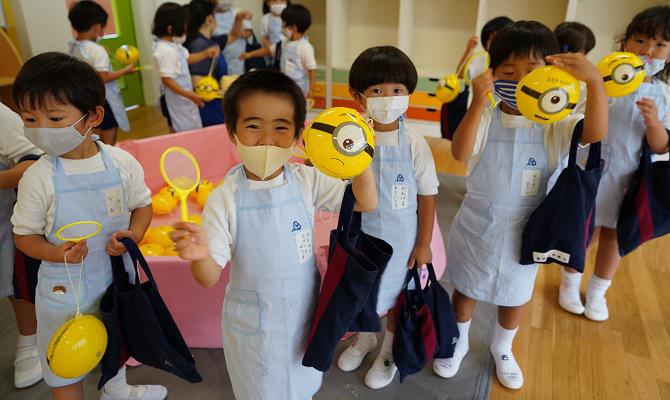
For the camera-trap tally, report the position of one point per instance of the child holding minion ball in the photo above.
(261, 219)
(509, 161)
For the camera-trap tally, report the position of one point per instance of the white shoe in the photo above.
(140, 392)
(382, 372)
(448, 367)
(352, 357)
(508, 371)
(596, 308)
(27, 367)
(570, 301)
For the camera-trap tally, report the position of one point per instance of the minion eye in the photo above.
(349, 139)
(623, 73)
(553, 101)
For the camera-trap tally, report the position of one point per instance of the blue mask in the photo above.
(654, 66)
(506, 91)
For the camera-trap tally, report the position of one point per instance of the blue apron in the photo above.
(274, 33)
(273, 289)
(395, 220)
(232, 54)
(289, 63)
(97, 196)
(623, 145)
(224, 22)
(7, 200)
(506, 185)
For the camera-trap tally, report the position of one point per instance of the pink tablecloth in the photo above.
(197, 310)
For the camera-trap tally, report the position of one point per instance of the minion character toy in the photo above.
(547, 95)
(207, 88)
(339, 143)
(127, 54)
(622, 72)
(448, 88)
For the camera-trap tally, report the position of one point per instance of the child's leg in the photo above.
(607, 264)
(74, 391)
(109, 136)
(27, 367)
(507, 369)
(118, 388)
(383, 369)
(568, 292)
(463, 308)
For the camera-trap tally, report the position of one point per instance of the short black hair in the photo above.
(574, 37)
(61, 78)
(170, 14)
(198, 11)
(649, 23)
(492, 27)
(266, 7)
(382, 64)
(85, 13)
(522, 39)
(266, 81)
(298, 15)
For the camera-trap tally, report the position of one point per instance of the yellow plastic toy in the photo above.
(152, 249)
(77, 346)
(163, 203)
(203, 186)
(448, 88)
(477, 64)
(225, 83)
(622, 72)
(339, 143)
(202, 197)
(207, 88)
(547, 95)
(170, 192)
(145, 239)
(181, 171)
(195, 219)
(220, 183)
(127, 54)
(160, 236)
(170, 251)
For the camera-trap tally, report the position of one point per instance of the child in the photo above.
(381, 80)
(178, 101)
(271, 23)
(225, 16)
(644, 114)
(294, 52)
(504, 187)
(88, 19)
(16, 155)
(232, 52)
(574, 37)
(61, 101)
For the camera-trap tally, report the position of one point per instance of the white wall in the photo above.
(42, 25)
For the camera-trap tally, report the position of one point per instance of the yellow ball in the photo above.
(170, 251)
(77, 347)
(339, 143)
(547, 95)
(448, 88)
(145, 239)
(168, 190)
(127, 54)
(195, 219)
(220, 183)
(161, 236)
(163, 204)
(226, 81)
(152, 249)
(204, 185)
(207, 88)
(622, 72)
(202, 197)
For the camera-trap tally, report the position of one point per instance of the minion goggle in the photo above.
(348, 138)
(551, 101)
(623, 73)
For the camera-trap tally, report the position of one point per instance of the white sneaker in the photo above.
(353, 356)
(382, 372)
(596, 308)
(508, 371)
(448, 367)
(27, 367)
(570, 300)
(139, 392)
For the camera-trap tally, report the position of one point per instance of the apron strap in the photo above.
(594, 149)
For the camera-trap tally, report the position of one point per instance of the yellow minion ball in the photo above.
(204, 185)
(162, 203)
(547, 95)
(339, 143)
(168, 190)
(207, 88)
(448, 88)
(202, 197)
(161, 236)
(77, 346)
(152, 250)
(622, 72)
(127, 54)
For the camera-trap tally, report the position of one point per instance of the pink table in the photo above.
(197, 310)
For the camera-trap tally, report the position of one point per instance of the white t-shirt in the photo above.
(422, 158)
(665, 88)
(13, 143)
(219, 218)
(167, 59)
(36, 202)
(297, 59)
(94, 54)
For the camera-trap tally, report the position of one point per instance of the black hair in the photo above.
(298, 15)
(266, 81)
(574, 37)
(522, 39)
(61, 78)
(85, 13)
(649, 23)
(198, 11)
(492, 27)
(266, 7)
(382, 64)
(170, 15)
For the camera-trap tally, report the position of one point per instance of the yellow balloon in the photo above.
(152, 249)
(77, 346)
(127, 54)
(163, 204)
(448, 88)
(622, 72)
(547, 95)
(339, 143)
(161, 236)
(207, 88)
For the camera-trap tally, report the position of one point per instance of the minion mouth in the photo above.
(337, 159)
(542, 118)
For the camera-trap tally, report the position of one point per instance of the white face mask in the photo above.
(653, 66)
(56, 141)
(179, 39)
(287, 32)
(387, 109)
(263, 160)
(276, 9)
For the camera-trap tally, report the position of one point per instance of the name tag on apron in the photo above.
(400, 197)
(303, 242)
(114, 200)
(530, 182)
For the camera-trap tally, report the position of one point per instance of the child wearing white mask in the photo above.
(237, 47)
(261, 219)
(381, 80)
(271, 27)
(225, 16)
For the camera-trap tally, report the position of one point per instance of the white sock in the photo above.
(27, 341)
(507, 369)
(571, 280)
(118, 386)
(386, 350)
(569, 297)
(503, 339)
(463, 343)
(597, 287)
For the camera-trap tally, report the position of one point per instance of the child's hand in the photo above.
(577, 65)
(196, 99)
(75, 252)
(649, 112)
(243, 14)
(116, 248)
(482, 85)
(190, 241)
(213, 51)
(421, 255)
(472, 43)
(129, 69)
(243, 56)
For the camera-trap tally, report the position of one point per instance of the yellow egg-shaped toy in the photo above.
(622, 72)
(161, 236)
(170, 251)
(152, 250)
(220, 183)
(202, 197)
(195, 219)
(145, 239)
(77, 346)
(168, 190)
(226, 81)
(127, 54)
(204, 185)
(448, 88)
(162, 204)
(207, 88)
(339, 143)
(547, 95)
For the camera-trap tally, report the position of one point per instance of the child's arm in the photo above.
(422, 254)
(365, 191)
(312, 82)
(466, 133)
(657, 135)
(209, 52)
(192, 245)
(36, 246)
(114, 75)
(174, 86)
(237, 29)
(597, 107)
(262, 52)
(140, 219)
(9, 179)
(469, 47)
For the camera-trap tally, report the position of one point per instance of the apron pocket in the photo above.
(242, 311)
(58, 294)
(475, 218)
